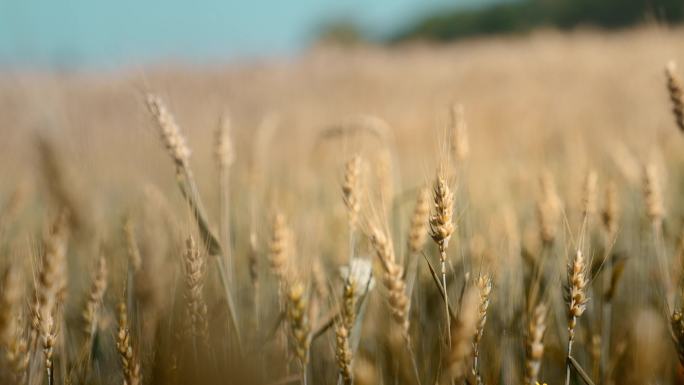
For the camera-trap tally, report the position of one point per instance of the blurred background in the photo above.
(77, 34)
(541, 81)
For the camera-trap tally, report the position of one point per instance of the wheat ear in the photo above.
(280, 246)
(460, 146)
(549, 209)
(393, 280)
(484, 287)
(10, 296)
(535, 344)
(676, 92)
(297, 315)
(343, 353)
(98, 287)
(351, 195)
(653, 197)
(441, 229)
(576, 299)
(180, 153)
(11, 339)
(49, 291)
(196, 307)
(589, 194)
(129, 360)
(419, 222)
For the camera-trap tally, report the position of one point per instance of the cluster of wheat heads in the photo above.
(404, 291)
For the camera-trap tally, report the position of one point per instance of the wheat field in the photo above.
(494, 211)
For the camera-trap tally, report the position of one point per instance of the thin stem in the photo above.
(304, 374)
(567, 364)
(606, 324)
(442, 257)
(224, 184)
(413, 358)
(190, 191)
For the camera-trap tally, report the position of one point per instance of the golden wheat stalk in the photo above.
(10, 295)
(418, 229)
(343, 351)
(576, 298)
(98, 287)
(351, 192)
(589, 194)
(484, 287)
(196, 307)
(130, 365)
(549, 209)
(417, 236)
(349, 302)
(441, 229)
(175, 144)
(50, 288)
(393, 280)
(655, 210)
(132, 250)
(15, 358)
(535, 344)
(169, 131)
(297, 316)
(280, 248)
(343, 354)
(460, 146)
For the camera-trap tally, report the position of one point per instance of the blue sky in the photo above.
(111, 33)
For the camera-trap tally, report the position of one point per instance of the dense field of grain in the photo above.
(297, 220)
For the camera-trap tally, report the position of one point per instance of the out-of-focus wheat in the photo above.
(129, 360)
(91, 312)
(674, 87)
(535, 344)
